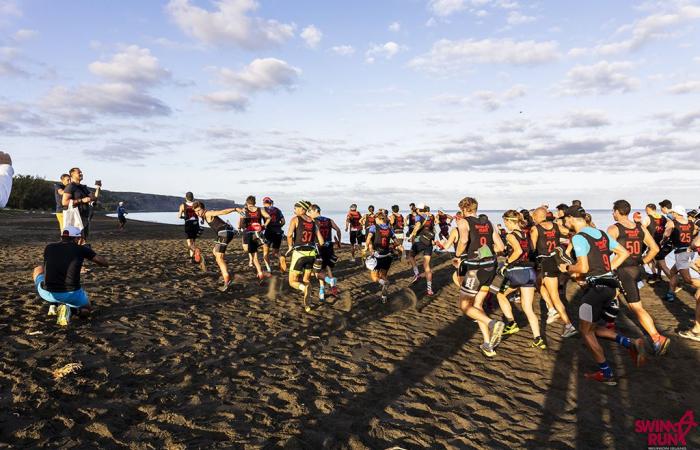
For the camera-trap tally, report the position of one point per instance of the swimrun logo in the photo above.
(664, 434)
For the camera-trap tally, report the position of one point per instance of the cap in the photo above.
(421, 206)
(304, 204)
(121, 203)
(575, 211)
(693, 213)
(267, 200)
(679, 209)
(71, 231)
(353, 205)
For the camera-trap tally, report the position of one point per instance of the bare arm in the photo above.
(669, 229)
(100, 261)
(452, 238)
(266, 216)
(336, 228)
(222, 212)
(613, 232)
(581, 266)
(290, 234)
(621, 254)
(498, 244)
(534, 235)
(181, 211)
(321, 241)
(369, 241)
(462, 230)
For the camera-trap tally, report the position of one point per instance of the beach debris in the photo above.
(66, 370)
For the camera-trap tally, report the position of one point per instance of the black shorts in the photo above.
(86, 226)
(224, 237)
(274, 237)
(548, 267)
(517, 277)
(629, 277)
(384, 262)
(192, 229)
(356, 237)
(254, 240)
(419, 247)
(594, 301)
(477, 275)
(328, 258)
(122, 220)
(664, 250)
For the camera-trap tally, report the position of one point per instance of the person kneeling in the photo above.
(58, 280)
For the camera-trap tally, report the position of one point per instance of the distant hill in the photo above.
(34, 193)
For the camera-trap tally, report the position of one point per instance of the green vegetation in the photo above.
(30, 192)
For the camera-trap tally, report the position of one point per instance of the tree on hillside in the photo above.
(29, 192)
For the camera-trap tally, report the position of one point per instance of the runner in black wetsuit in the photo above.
(381, 242)
(477, 246)
(274, 233)
(633, 237)
(593, 249)
(326, 226)
(224, 232)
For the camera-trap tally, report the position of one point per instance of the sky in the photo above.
(515, 103)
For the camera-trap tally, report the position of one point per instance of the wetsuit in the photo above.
(325, 227)
(273, 231)
(224, 233)
(382, 236)
(630, 272)
(478, 262)
(355, 227)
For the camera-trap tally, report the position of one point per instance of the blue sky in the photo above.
(513, 102)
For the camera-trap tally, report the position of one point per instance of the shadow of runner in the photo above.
(360, 415)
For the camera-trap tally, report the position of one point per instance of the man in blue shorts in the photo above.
(58, 280)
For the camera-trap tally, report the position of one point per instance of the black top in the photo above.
(58, 197)
(480, 235)
(62, 263)
(547, 239)
(78, 191)
(633, 240)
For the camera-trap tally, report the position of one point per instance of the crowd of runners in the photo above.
(536, 251)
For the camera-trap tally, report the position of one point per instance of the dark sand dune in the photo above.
(170, 362)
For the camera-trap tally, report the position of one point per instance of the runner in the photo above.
(58, 195)
(302, 238)
(633, 236)
(694, 332)
(593, 249)
(444, 220)
(224, 232)
(58, 280)
(544, 236)
(274, 233)
(397, 224)
(411, 218)
(680, 231)
(121, 215)
(367, 221)
(353, 225)
(424, 230)
(519, 273)
(477, 246)
(326, 227)
(192, 229)
(255, 219)
(381, 241)
(655, 224)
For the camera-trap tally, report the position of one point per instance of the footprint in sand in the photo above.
(272, 288)
(403, 299)
(345, 302)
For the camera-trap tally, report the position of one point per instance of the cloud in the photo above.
(229, 24)
(9, 8)
(446, 55)
(598, 79)
(10, 69)
(686, 120)
(25, 35)
(517, 18)
(654, 26)
(491, 101)
(395, 27)
(267, 74)
(343, 50)
(444, 8)
(134, 65)
(584, 119)
(128, 149)
(387, 51)
(685, 87)
(312, 36)
(118, 99)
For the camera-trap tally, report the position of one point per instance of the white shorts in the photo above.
(683, 260)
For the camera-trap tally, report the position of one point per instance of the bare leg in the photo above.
(551, 285)
(527, 297)
(588, 333)
(645, 319)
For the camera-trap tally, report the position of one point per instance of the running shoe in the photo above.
(538, 343)
(601, 378)
(261, 279)
(383, 299)
(415, 278)
(63, 313)
(638, 352)
(610, 325)
(552, 316)
(225, 287)
(334, 291)
(661, 345)
(670, 297)
(678, 289)
(569, 331)
(689, 334)
(496, 327)
(511, 329)
(487, 350)
(429, 292)
(515, 299)
(52, 310)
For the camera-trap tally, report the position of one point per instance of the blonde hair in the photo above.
(468, 204)
(514, 215)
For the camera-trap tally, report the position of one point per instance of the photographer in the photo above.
(82, 198)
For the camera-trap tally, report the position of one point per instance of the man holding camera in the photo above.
(82, 198)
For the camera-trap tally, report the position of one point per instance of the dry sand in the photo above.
(170, 362)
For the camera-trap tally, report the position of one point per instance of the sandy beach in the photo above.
(170, 362)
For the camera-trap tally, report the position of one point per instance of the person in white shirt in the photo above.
(6, 173)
